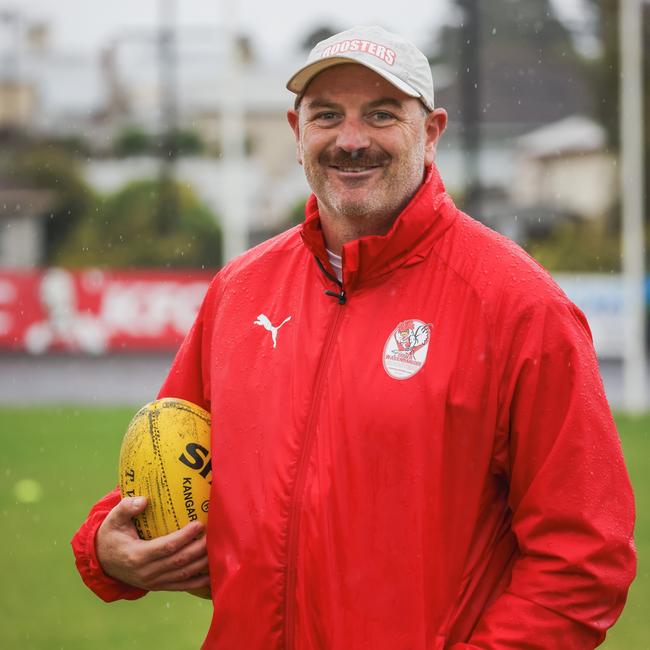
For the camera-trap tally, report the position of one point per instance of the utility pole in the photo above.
(470, 102)
(233, 138)
(168, 145)
(632, 195)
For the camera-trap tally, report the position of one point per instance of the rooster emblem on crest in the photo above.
(410, 337)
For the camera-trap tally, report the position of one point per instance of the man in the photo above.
(422, 457)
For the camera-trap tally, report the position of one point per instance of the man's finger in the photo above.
(195, 550)
(125, 510)
(185, 585)
(167, 545)
(187, 571)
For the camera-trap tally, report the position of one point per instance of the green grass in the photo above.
(632, 631)
(72, 454)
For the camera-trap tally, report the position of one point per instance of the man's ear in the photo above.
(434, 126)
(294, 123)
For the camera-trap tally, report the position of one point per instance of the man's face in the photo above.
(363, 143)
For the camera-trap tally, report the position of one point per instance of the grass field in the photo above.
(69, 456)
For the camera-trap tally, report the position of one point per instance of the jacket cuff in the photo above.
(92, 574)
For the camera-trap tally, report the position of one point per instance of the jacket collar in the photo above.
(429, 213)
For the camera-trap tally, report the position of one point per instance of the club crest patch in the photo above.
(406, 349)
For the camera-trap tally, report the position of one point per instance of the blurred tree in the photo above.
(604, 68)
(578, 246)
(245, 48)
(75, 144)
(54, 168)
(134, 141)
(530, 72)
(188, 142)
(529, 25)
(296, 214)
(317, 35)
(604, 74)
(126, 231)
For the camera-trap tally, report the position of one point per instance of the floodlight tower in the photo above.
(233, 139)
(470, 98)
(168, 91)
(635, 381)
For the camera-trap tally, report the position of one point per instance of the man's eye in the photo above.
(326, 116)
(382, 116)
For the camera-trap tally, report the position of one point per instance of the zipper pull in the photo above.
(341, 297)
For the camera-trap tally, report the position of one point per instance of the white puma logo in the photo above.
(266, 324)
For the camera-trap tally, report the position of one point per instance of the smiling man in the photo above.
(364, 145)
(411, 445)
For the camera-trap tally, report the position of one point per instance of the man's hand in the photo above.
(174, 562)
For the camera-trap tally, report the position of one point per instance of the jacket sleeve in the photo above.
(83, 547)
(186, 380)
(569, 493)
(189, 376)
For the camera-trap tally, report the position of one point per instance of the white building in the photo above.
(240, 109)
(567, 167)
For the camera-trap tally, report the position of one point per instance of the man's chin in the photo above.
(356, 195)
(355, 209)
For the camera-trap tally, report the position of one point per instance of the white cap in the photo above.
(390, 56)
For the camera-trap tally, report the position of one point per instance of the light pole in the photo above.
(632, 195)
(233, 138)
(168, 148)
(470, 97)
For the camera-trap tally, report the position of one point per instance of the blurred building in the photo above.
(44, 90)
(197, 84)
(22, 213)
(566, 167)
(52, 93)
(558, 171)
(205, 85)
(17, 104)
(538, 163)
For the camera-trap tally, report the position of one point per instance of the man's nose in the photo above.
(352, 135)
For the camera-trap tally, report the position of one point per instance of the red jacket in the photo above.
(424, 461)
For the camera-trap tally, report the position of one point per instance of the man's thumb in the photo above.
(137, 504)
(129, 507)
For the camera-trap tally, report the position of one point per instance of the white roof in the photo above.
(576, 133)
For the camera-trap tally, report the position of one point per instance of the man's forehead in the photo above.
(389, 55)
(324, 101)
(352, 80)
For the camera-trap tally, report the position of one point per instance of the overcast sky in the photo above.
(276, 27)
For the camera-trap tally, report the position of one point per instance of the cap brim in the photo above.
(301, 79)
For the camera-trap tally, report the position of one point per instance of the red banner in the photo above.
(95, 311)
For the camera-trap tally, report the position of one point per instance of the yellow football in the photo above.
(165, 456)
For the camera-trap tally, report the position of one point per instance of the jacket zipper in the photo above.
(298, 492)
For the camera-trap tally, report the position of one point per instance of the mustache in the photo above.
(356, 158)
